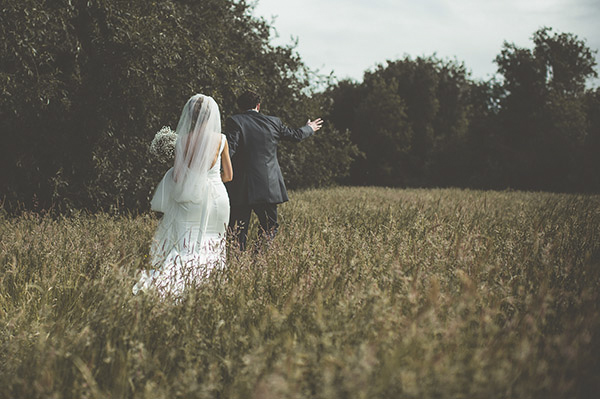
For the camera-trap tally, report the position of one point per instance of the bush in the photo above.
(86, 85)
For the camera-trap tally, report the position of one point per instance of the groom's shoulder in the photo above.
(273, 119)
(242, 115)
(252, 115)
(236, 118)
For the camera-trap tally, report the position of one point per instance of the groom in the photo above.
(258, 183)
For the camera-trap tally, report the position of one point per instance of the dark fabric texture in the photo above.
(240, 218)
(253, 138)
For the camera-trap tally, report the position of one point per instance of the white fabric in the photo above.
(190, 238)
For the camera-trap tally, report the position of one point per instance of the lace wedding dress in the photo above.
(190, 239)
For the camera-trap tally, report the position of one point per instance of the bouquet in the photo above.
(163, 144)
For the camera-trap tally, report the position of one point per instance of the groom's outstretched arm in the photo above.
(299, 134)
(232, 132)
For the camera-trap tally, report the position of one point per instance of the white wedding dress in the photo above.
(190, 239)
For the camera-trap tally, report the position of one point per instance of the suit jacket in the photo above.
(253, 139)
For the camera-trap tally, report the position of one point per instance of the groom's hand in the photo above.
(316, 124)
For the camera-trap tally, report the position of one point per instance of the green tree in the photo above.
(409, 118)
(590, 176)
(449, 162)
(482, 149)
(87, 83)
(384, 133)
(542, 110)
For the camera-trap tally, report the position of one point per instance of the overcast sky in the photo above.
(350, 36)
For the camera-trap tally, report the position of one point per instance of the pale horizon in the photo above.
(352, 36)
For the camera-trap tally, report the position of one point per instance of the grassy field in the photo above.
(366, 293)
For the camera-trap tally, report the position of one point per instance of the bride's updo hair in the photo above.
(198, 137)
(196, 106)
(248, 100)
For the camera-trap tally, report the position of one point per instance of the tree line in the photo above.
(87, 83)
(425, 122)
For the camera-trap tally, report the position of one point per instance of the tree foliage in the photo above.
(543, 115)
(87, 83)
(402, 116)
(425, 122)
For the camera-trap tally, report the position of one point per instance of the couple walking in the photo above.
(190, 239)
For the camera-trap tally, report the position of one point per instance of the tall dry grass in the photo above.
(366, 293)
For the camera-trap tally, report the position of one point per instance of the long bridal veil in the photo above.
(198, 138)
(184, 193)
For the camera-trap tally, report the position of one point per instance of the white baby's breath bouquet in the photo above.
(163, 144)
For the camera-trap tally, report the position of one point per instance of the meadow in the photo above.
(365, 293)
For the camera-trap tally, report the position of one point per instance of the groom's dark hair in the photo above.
(248, 100)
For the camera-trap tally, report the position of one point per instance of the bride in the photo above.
(190, 239)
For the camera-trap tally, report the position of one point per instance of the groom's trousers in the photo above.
(240, 217)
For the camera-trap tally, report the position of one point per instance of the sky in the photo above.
(347, 37)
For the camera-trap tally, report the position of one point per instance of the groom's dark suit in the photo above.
(257, 180)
